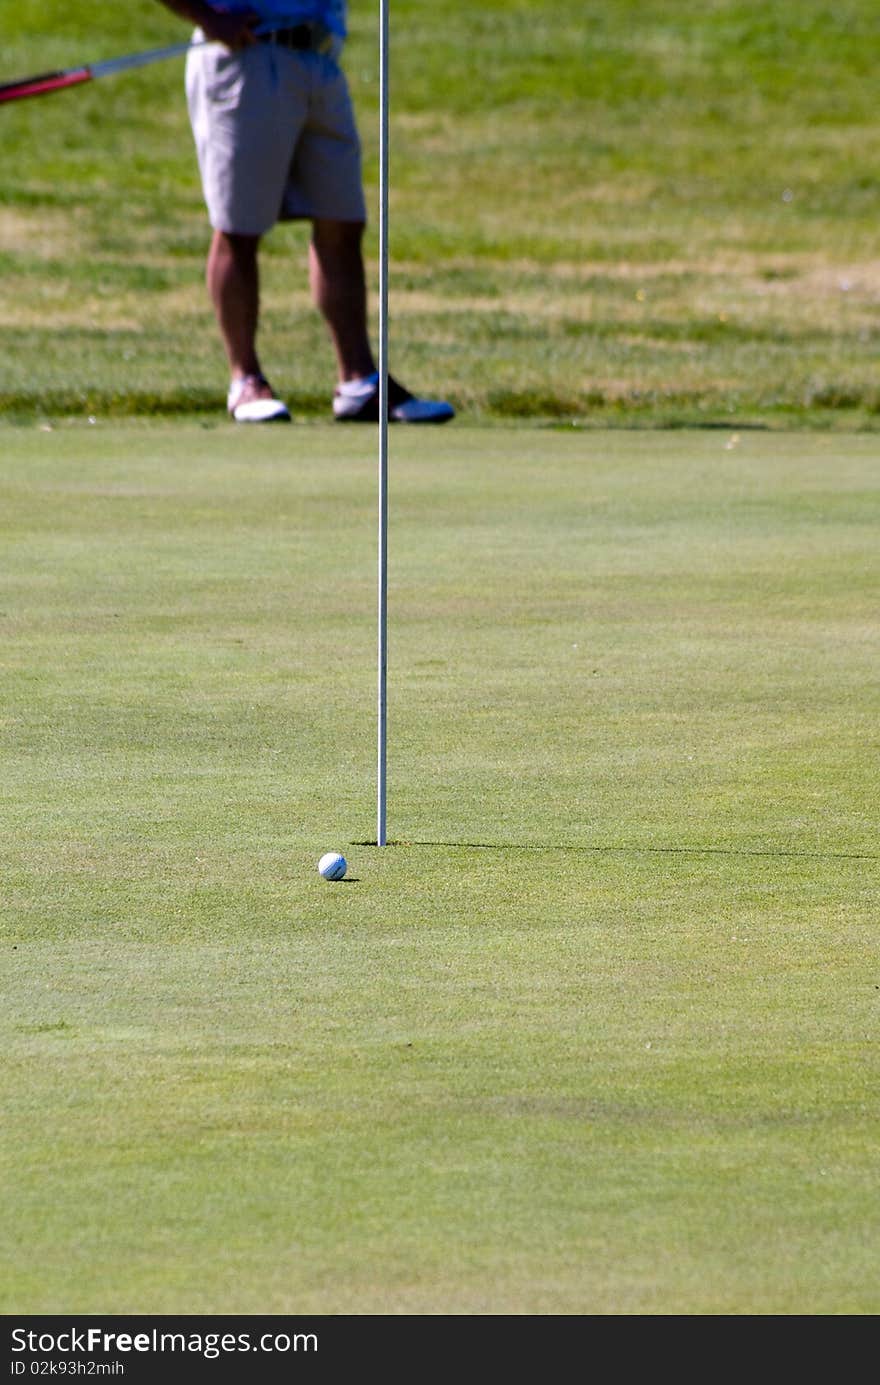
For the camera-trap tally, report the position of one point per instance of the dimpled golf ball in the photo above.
(332, 865)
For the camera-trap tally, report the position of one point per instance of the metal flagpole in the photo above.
(384, 104)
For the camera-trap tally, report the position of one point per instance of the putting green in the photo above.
(596, 1033)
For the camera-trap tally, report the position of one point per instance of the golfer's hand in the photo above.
(232, 30)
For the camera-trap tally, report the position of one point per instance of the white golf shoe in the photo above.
(251, 399)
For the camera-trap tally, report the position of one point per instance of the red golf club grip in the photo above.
(47, 81)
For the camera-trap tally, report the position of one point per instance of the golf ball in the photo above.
(332, 865)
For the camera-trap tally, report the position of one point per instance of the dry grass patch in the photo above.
(47, 234)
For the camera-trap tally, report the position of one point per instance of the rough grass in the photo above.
(639, 214)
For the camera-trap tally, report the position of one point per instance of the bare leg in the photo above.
(234, 286)
(338, 282)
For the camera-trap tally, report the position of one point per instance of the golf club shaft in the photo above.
(384, 104)
(44, 82)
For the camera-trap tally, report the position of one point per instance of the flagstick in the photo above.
(384, 35)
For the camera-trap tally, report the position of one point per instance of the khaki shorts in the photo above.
(275, 136)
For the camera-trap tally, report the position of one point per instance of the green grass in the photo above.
(597, 1033)
(634, 213)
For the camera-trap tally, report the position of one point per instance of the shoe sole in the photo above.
(261, 411)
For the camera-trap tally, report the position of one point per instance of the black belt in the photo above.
(300, 36)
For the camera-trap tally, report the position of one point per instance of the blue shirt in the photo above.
(330, 13)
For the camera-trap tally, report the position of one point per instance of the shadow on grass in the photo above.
(642, 850)
(639, 411)
(25, 406)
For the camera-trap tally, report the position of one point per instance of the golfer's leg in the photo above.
(338, 282)
(234, 285)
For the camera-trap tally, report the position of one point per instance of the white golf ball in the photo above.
(332, 865)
